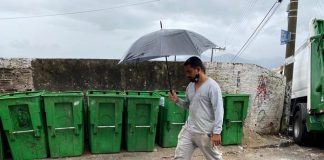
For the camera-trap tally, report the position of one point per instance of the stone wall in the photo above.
(266, 88)
(15, 75)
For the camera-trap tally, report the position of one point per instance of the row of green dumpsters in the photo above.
(46, 124)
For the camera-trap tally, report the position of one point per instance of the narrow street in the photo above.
(271, 148)
(293, 152)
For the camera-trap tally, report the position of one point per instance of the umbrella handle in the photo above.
(171, 92)
(169, 78)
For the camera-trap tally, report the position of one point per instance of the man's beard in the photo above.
(195, 79)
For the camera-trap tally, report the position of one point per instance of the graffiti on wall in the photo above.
(261, 104)
(238, 79)
(261, 98)
(262, 91)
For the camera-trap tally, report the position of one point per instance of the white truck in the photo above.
(307, 98)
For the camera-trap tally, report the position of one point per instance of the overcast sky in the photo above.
(108, 34)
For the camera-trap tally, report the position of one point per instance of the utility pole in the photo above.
(289, 66)
(212, 53)
(290, 47)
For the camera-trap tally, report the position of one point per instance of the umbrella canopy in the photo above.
(167, 42)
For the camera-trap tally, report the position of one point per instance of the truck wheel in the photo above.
(299, 128)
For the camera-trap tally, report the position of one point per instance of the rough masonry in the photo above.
(15, 75)
(266, 88)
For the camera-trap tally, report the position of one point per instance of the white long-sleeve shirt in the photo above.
(205, 107)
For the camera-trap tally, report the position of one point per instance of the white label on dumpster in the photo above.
(162, 101)
(76, 103)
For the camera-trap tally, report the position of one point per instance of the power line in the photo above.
(245, 10)
(79, 12)
(319, 7)
(245, 15)
(250, 5)
(258, 29)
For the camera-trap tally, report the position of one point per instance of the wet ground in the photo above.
(273, 148)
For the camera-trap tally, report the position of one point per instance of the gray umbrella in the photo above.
(167, 42)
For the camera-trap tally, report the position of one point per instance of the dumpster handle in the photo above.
(95, 128)
(150, 126)
(106, 126)
(142, 126)
(25, 131)
(173, 123)
(55, 129)
(235, 121)
(64, 128)
(228, 122)
(177, 123)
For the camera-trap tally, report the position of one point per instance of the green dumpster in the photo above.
(21, 116)
(142, 109)
(105, 120)
(235, 110)
(171, 120)
(64, 118)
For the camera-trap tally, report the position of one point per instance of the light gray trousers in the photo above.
(188, 142)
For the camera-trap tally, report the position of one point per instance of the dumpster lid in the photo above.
(165, 93)
(65, 93)
(105, 93)
(21, 94)
(142, 94)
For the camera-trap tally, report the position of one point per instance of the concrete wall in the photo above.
(266, 88)
(83, 74)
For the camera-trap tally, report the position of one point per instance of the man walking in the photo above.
(204, 125)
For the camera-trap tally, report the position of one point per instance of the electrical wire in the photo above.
(79, 12)
(250, 5)
(258, 29)
(244, 14)
(319, 7)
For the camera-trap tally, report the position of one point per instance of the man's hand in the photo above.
(173, 96)
(216, 139)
